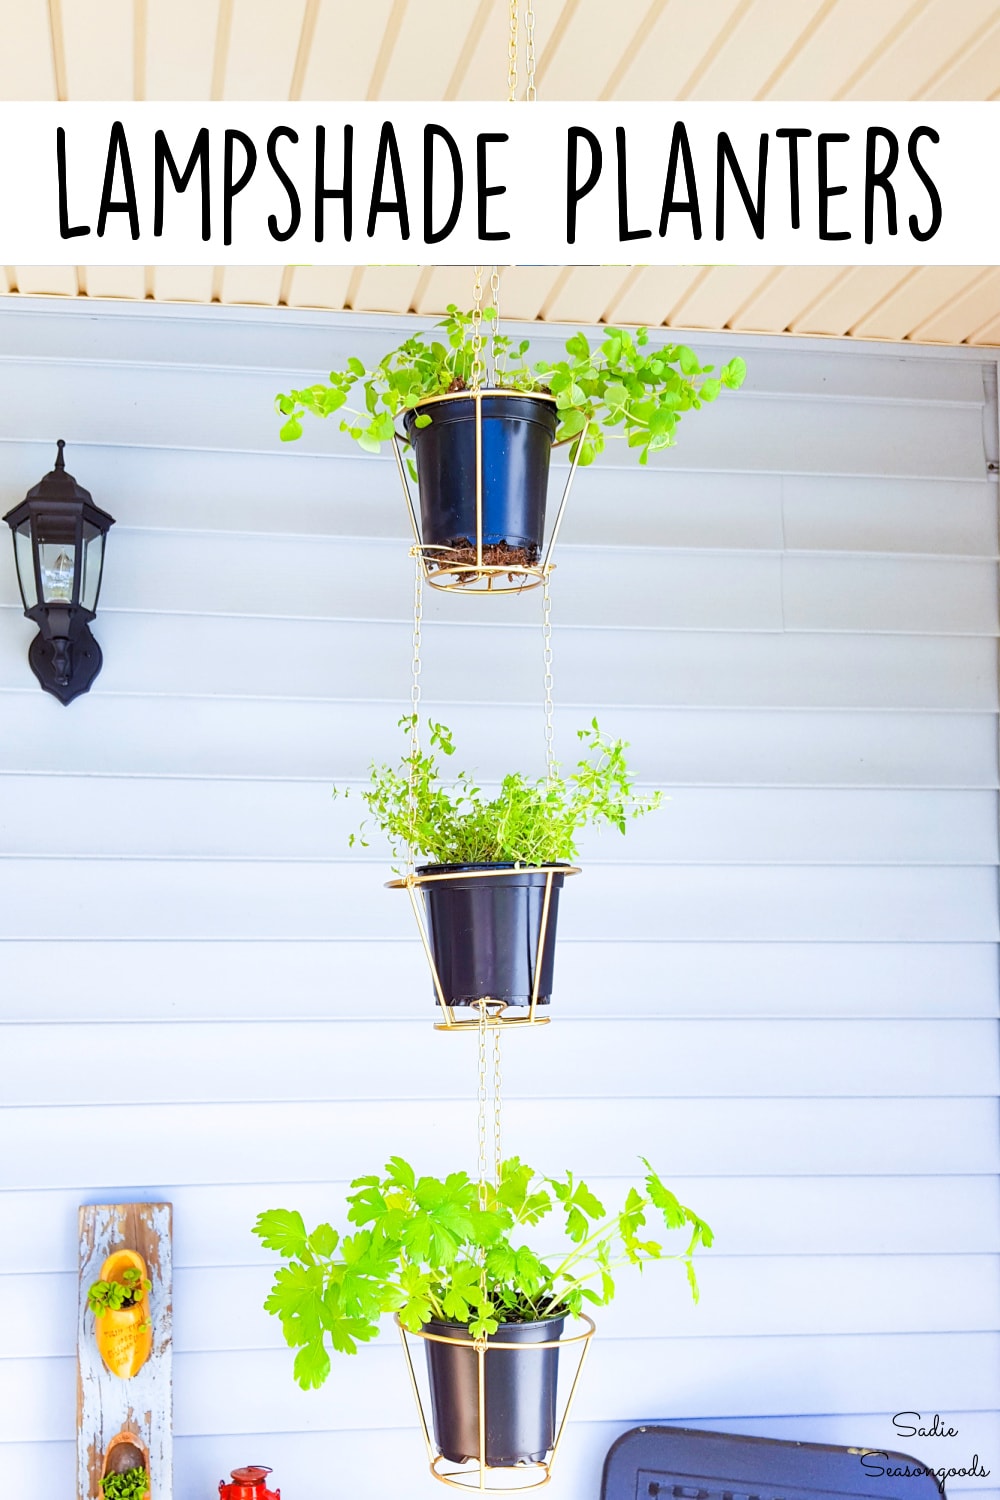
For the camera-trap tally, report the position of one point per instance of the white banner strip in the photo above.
(456, 184)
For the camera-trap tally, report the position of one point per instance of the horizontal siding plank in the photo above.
(250, 1392)
(751, 1216)
(50, 1147)
(821, 512)
(234, 409)
(297, 1457)
(877, 594)
(187, 1063)
(139, 735)
(162, 818)
(220, 573)
(221, 1310)
(279, 658)
(145, 898)
(282, 980)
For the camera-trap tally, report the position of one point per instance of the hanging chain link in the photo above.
(476, 372)
(529, 33)
(550, 736)
(512, 55)
(418, 616)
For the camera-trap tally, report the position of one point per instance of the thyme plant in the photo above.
(533, 822)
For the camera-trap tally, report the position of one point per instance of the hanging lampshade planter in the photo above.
(482, 463)
(489, 934)
(494, 1401)
(59, 538)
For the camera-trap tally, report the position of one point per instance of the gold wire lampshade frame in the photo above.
(497, 1011)
(477, 1477)
(440, 568)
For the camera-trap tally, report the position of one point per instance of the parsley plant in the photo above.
(427, 1247)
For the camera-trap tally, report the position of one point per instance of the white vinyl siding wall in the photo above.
(782, 988)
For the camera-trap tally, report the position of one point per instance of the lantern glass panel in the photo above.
(56, 537)
(93, 557)
(25, 564)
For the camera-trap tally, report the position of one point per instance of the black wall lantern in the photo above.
(59, 549)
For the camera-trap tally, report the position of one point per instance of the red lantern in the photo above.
(248, 1484)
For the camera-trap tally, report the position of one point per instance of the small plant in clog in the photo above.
(120, 1303)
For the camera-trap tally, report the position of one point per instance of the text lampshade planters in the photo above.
(120, 1304)
(448, 1258)
(482, 454)
(495, 861)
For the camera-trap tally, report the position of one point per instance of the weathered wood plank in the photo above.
(106, 1404)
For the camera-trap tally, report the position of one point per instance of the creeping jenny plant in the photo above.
(103, 1296)
(443, 1248)
(625, 386)
(453, 821)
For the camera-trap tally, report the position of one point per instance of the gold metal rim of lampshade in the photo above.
(480, 394)
(474, 1480)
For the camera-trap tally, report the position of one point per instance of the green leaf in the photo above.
(290, 430)
(355, 366)
(688, 360)
(710, 389)
(573, 421)
(282, 1229)
(312, 1366)
(323, 1240)
(734, 373)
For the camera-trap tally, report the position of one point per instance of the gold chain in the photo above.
(418, 615)
(497, 1108)
(529, 32)
(512, 55)
(550, 747)
(482, 1101)
(495, 299)
(476, 373)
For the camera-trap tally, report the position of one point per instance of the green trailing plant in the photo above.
(441, 1248)
(624, 385)
(453, 821)
(133, 1485)
(112, 1295)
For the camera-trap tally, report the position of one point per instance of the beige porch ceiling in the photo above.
(587, 49)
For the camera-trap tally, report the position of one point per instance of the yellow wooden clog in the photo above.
(125, 1334)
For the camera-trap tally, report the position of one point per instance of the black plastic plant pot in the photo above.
(519, 1390)
(518, 431)
(485, 932)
